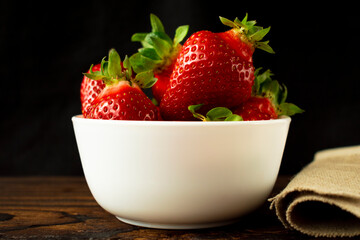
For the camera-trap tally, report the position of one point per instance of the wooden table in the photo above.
(63, 208)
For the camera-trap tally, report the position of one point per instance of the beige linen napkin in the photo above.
(323, 199)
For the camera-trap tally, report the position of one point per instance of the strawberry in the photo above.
(158, 53)
(89, 90)
(122, 98)
(267, 101)
(214, 69)
(257, 108)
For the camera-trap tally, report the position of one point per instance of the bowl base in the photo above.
(175, 226)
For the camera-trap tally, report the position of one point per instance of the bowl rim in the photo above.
(80, 118)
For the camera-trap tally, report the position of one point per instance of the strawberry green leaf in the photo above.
(104, 67)
(247, 25)
(264, 46)
(94, 76)
(141, 63)
(218, 113)
(229, 23)
(126, 63)
(244, 21)
(145, 79)
(284, 93)
(257, 71)
(271, 90)
(159, 35)
(138, 37)
(234, 117)
(127, 66)
(260, 79)
(161, 47)
(194, 108)
(149, 53)
(215, 114)
(156, 24)
(98, 75)
(144, 37)
(238, 22)
(289, 109)
(180, 34)
(114, 64)
(260, 34)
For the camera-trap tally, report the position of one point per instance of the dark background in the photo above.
(45, 47)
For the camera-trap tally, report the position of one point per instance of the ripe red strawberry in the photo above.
(268, 100)
(122, 97)
(158, 53)
(256, 108)
(89, 90)
(214, 69)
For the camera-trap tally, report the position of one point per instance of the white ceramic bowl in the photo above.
(180, 175)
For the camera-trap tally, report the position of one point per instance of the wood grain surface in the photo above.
(63, 208)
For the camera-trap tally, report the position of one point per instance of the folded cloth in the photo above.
(323, 199)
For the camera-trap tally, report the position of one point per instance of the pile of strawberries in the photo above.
(210, 77)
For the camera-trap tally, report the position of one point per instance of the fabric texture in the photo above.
(323, 199)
